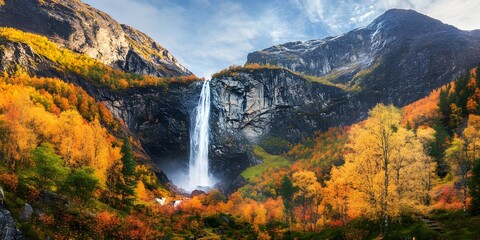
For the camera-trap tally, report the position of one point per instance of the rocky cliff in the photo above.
(8, 227)
(400, 57)
(276, 103)
(81, 28)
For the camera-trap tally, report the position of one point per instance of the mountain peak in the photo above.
(399, 56)
(408, 19)
(82, 28)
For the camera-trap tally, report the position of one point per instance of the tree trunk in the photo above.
(464, 197)
(385, 201)
(385, 168)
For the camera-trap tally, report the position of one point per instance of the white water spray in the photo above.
(198, 164)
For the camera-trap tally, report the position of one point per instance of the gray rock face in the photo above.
(275, 102)
(2, 195)
(148, 57)
(26, 212)
(19, 54)
(159, 116)
(81, 28)
(8, 227)
(399, 58)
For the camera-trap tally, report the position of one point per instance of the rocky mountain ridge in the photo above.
(401, 56)
(81, 28)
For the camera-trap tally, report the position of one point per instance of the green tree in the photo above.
(81, 184)
(474, 186)
(126, 185)
(287, 192)
(456, 154)
(438, 148)
(49, 167)
(443, 103)
(456, 116)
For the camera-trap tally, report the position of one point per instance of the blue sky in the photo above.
(209, 35)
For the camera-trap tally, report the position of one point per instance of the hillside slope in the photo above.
(81, 28)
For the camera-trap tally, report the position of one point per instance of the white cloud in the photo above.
(365, 16)
(462, 14)
(336, 16)
(341, 16)
(206, 41)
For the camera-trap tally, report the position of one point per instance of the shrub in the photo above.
(275, 145)
(9, 181)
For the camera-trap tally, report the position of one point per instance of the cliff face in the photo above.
(14, 54)
(400, 57)
(276, 102)
(81, 28)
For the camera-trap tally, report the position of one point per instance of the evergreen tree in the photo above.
(127, 184)
(474, 187)
(444, 104)
(438, 146)
(81, 184)
(287, 192)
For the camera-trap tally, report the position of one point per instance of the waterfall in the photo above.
(198, 164)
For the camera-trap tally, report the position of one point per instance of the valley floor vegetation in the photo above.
(400, 174)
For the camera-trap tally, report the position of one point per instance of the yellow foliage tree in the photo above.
(381, 166)
(308, 195)
(463, 151)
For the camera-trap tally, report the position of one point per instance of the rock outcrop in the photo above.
(26, 212)
(270, 102)
(8, 227)
(398, 58)
(81, 28)
(13, 55)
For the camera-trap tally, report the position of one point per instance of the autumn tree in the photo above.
(462, 153)
(374, 146)
(18, 139)
(337, 195)
(456, 154)
(307, 194)
(456, 115)
(471, 135)
(380, 165)
(426, 164)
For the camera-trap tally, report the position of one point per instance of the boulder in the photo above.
(26, 212)
(8, 228)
